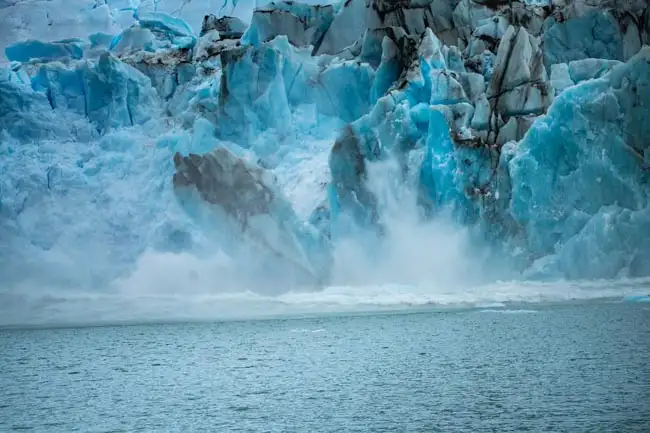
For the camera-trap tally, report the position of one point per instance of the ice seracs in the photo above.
(45, 51)
(302, 24)
(580, 172)
(519, 84)
(522, 120)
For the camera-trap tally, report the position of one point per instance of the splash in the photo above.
(411, 250)
(148, 304)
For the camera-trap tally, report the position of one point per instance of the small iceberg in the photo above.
(637, 298)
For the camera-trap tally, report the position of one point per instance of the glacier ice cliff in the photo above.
(265, 136)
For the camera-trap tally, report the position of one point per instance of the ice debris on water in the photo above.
(168, 129)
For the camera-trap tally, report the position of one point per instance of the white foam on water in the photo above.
(509, 311)
(148, 305)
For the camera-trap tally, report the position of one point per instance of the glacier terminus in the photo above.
(312, 145)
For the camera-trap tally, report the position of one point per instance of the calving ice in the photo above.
(289, 138)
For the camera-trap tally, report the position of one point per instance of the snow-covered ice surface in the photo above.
(355, 154)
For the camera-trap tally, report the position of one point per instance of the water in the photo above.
(569, 367)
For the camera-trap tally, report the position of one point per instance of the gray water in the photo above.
(554, 368)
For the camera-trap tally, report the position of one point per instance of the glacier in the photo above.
(313, 145)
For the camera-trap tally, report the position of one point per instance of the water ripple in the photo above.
(568, 368)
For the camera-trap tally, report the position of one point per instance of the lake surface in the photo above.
(568, 367)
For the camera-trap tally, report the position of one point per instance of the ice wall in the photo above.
(580, 177)
(52, 20)
(154, 134)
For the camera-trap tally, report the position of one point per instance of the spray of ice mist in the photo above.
(434, 254)
(425, 255)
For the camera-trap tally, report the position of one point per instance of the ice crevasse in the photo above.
(257, 137)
